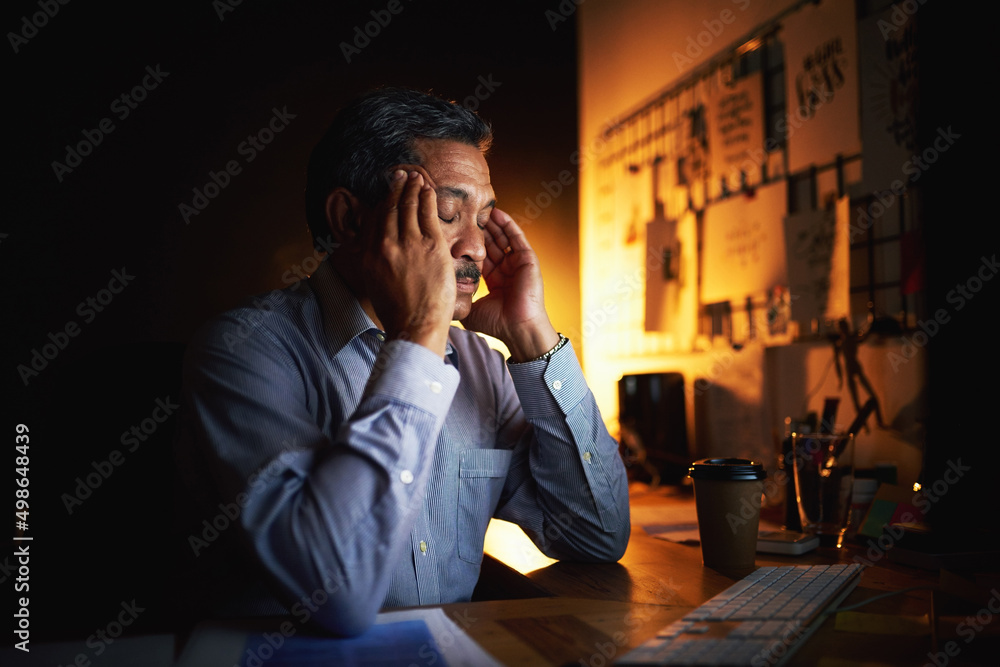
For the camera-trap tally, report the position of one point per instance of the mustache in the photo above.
(468, 270)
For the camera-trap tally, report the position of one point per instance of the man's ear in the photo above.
(343, 212)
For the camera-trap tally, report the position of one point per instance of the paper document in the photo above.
(423, 636)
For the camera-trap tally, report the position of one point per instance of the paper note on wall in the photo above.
(736, 132)
(818, 246)
(744, 252)
(821, 84)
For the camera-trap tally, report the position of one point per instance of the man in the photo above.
(365, 440)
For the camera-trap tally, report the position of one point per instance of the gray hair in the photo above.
(375, 132)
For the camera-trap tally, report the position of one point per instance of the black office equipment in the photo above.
(653, 423)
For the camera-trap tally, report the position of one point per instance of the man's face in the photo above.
(461, 179)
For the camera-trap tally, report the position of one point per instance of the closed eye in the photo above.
(481, 225)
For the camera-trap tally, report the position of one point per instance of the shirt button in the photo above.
(586, 457)
(557, 385)
(435, 387)
(406, 477)
(423, 547)
(380, 336)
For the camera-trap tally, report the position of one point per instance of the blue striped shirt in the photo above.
(362, 474)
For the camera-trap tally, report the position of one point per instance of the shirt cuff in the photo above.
(409, 372)
(552, 386)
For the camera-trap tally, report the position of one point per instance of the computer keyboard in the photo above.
(758, 621)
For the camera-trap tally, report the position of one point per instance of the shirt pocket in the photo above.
(481, 476)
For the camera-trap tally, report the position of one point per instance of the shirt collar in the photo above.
(343, 317)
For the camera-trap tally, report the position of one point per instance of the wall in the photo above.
(739, 237)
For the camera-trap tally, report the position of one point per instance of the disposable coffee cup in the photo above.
(727, 499)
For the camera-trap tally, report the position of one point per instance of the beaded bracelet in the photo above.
(562, 341)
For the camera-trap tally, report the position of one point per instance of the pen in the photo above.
(829, 415)
(859, 421)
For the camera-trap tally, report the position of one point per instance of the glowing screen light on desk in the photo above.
(507, 543)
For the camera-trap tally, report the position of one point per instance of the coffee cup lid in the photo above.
(727, 469)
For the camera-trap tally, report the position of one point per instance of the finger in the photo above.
(420, 224)
(388, 220)
(509, 233)
(409, 205)
(430, 226)
(494, 251)
(496, 231)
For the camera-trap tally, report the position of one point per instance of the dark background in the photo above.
(120, 207)
(118, 210)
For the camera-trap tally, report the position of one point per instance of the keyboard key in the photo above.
(673, 630)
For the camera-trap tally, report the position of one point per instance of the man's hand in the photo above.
(514, 309)
(407, 264)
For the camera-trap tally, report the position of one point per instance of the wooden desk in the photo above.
(532, 611)
(596, 612)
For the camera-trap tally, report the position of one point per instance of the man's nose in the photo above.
(469, 243)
